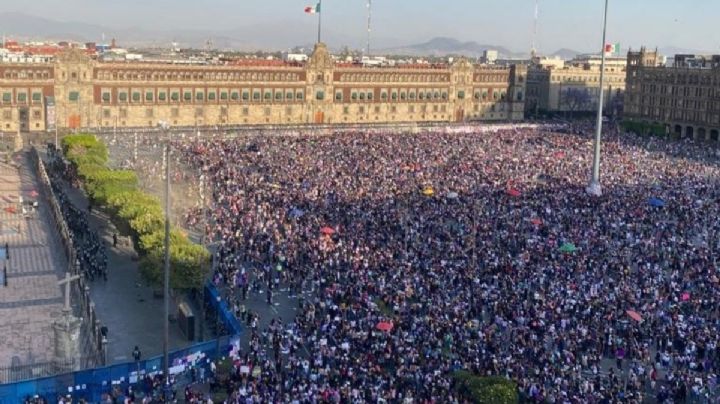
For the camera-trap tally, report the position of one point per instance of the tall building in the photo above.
(555, 85)
(684, 97)
(77, 92)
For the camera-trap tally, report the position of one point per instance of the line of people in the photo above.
(91, 254)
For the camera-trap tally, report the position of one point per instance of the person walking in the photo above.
(136, 354)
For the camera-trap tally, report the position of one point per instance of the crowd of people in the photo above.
(90, 253)
(423, 254)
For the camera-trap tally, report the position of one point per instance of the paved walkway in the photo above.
(32, 299)
(124, 303)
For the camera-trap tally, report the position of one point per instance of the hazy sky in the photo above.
(574, 24)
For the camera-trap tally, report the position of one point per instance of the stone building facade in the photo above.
(77, 92)
(556, 86)
(686, 100)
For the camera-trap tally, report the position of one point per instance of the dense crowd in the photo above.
(454, 240)
(433, 252)
(91, 257)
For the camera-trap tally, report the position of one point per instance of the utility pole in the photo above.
(369, 15)
(319, 13)
(594, 188)
(202, 243)
(166, 283)
(533, 51)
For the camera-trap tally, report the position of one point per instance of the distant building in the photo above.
(89, 93)
(557, 86)
(295, 57)
(490, 56)
(683, 97)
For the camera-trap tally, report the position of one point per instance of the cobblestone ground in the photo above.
(32, 299)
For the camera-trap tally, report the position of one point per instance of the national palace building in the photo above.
(684, 98)
(75, 91)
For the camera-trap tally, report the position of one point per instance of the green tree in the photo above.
(486, 390)
(138, 213)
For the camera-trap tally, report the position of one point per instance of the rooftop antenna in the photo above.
(533, 51)
(369, 16)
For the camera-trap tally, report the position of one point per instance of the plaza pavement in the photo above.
(32, 300)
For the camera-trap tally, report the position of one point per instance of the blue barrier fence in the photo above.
(92, 384)
(225, 316)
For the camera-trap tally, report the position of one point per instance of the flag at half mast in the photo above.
(312, 10)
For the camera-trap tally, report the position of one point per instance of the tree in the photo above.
(486, 390)
(137, 212)
(188, 262)
(576, 99)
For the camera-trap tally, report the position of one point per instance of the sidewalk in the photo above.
(32, 300)
(125, 305)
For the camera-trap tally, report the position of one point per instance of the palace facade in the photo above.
(76, 92)
(683, 97)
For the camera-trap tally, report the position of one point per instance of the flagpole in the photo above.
(319, 19)
(594, 188)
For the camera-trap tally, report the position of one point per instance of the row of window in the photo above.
(277, 95)
(678, 103)
(589, 79)
(13, 74)
(680, 115)
(199, 96)
(7, 114)
(394, 78)
(393, 109)
(199, 112)
(21, 97)
(698, 77)
(133, 75)
(394, 95)
(686, 91)
(490, 78)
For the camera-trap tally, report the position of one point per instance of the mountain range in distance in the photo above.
(25, 27)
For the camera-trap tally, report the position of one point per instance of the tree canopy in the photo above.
(136, 211)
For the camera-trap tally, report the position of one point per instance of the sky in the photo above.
(573, 24)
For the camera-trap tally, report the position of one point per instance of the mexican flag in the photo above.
(612, 48)
(312, 10)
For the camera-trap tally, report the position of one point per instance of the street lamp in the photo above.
(594, 187)
(164, 126)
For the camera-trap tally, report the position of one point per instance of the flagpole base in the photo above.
(594, 188)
